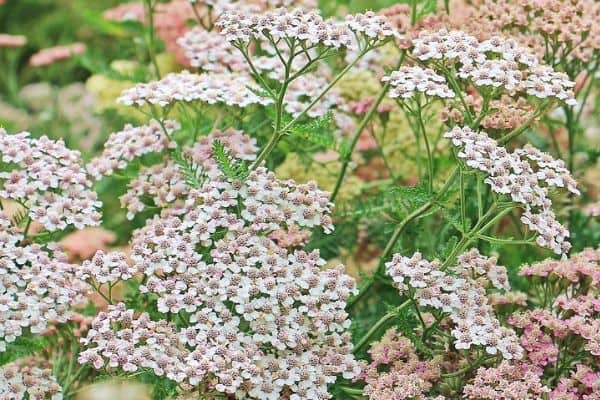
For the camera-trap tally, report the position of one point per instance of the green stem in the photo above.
(382, 321)
(427, 148)
(468, 368)
(358, 131)
(151, 36)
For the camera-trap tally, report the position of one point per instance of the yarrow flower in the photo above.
(7, 40)
(306, 26)
(462, 297)
(130, 143)
(520, 175)
(48, 180)
(506, 382)
(54, 54)
(36, 287)
(20, 382)
(405, 377)
(228, 88)
(408, 80)
(264, 320)
(495, 62)
(106, 268)
(210, 51)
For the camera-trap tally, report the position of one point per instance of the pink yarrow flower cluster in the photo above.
(525, 175)
(506, 382)
(462, 297)
(48, 180)
(54, 54)
(396, 372)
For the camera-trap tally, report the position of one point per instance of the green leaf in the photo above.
(22, 347)
(230, 167)
(193, 174)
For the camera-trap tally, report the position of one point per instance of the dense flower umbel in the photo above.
(49, 181)
(408, 80)
(228, 88)
(264, 321)
(306, 26)
(404, 376)
(495, 63)
(132, 142)
(462, 297)
(525, 175)
(569, 320)
(210, 51)
(506, 382)
(36, 286)
(20, 382)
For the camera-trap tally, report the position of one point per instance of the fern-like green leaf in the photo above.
(230, 167)
(193, 174)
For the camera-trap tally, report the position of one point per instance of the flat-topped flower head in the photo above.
(407, 81)
(302, 25)
(231, 89)
(495, 62)
(130, 143)
(48, 180)
(210, 51)
(372, 25)
(264, 320)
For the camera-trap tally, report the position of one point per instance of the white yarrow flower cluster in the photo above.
(521, 175)
(48, 180)
(372, 25)
(306, 26)
(406, 81)
(210, 51)
(495, 62)
(164, 182)
(231, 89)
(106, 268)
(20, 382)
(131, 142)
(461, 297)
(264, 321)
(36, 287)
